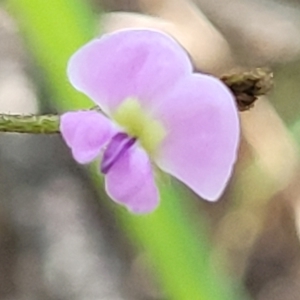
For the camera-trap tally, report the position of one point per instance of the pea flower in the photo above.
(154, 110)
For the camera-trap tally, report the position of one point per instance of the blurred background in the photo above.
(61, 238)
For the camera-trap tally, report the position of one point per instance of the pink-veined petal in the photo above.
(86, 132)
(128, 63)
(202, 125)
(130, 182)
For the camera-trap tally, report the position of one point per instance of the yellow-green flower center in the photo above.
(139, 124)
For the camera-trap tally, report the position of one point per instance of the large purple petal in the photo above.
(202, 125)
(130, 182)
(86, 132)
(128, 63)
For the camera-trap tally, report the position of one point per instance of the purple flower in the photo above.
(156, 111)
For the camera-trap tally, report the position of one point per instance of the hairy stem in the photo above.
(245, 86)
(248, 86)
(45, 124)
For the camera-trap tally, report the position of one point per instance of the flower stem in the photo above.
(246, 87)
(45, 124)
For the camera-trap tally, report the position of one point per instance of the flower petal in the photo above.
(130, 182)
(202, 125)
(128, 63)
(86, 132)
